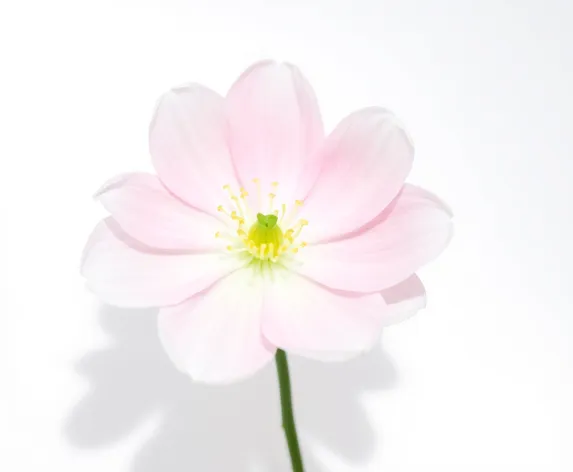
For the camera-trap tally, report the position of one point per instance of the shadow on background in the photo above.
(218, 428)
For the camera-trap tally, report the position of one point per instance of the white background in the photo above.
(481, 380)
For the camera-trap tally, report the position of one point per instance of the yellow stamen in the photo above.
(299, 227)
(286, 220)
(221, 209)
(264, 241)
(227, 187)
(257, 182)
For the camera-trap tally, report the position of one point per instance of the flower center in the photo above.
(266, 235)
(264, 240)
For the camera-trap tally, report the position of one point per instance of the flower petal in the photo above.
(123, 273)
(404, 300)
(365, 161)
(275, 125)
(216, 337)
(411, 232)
(305, 318)
(188, 144)
(145, 210)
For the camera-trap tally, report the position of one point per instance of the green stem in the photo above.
(287, 412)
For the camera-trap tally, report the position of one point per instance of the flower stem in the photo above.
(287, 411)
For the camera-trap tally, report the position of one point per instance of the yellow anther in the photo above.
(303, 244)
(241, 232)
(271, 198)
(298, 202)
(229, 248)
(294, 250)
(236, 217)
(258, 184)
(275, 184)
(301, 224)
(218, 234)
(244, 193)
(220, 208)
(232, 196)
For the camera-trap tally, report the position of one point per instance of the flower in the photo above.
(259, 232)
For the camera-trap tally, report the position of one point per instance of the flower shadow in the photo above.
(218, 428)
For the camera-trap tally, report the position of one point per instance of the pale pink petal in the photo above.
(404, 300)
(364, 163)
(144, 209)
(216, 337)
(414, 230)
(274, 125)
(123, 274)
(188, 144)
(305, 318)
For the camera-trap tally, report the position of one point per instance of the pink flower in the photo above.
(260, 232)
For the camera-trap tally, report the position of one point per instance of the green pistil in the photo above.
(266, 231)
(267, 221)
